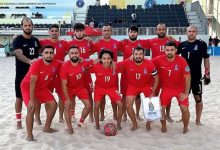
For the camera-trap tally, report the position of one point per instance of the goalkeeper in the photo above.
(194, 51)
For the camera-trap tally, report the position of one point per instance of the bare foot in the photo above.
(19, 126)
(198, 123)
(119, 127)
(124, 119)
(179, 120)
(163, 129)
(50, 130)
(169, 119)
(148, 128)
(30, 139)
(82, 125)
(61, 120)
(70, 131)
(185, 130)
(134, 127)
(37, 121)
(102, 118)
(97, 127)
(139, 118)
(91, 119)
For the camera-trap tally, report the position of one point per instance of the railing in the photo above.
(197, 7)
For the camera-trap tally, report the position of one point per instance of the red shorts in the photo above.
(57, 86)
(81, 93)
(88, 83)
(42, 95)
(135, 91)
(124, 83)
(100, 93)
(167, 95)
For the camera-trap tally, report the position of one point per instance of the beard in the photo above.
(28, 33)
(133, 38)
(138, 60)
(170, 56)
(74, 59)
(161, 35)
(79, 38)
(48, 61)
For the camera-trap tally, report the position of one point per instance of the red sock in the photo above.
(81, 120)
(18, 116)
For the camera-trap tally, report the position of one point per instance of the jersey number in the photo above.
(138, 76)
(169, 73)
(162, 48)
(83, 50)
(32, 51)
(107, 78)
(78, 76)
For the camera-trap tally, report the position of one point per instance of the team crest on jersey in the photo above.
(60, 45)
(114, 46)
(53, 69)
(187, 69)
(145, 71)
(83, 69)
(113, 72)
(196, 48)
(176, 68)
(35, 44)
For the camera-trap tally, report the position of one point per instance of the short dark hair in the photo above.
(73, 46)
(171, 43)
(79, 26)
(138, 49)
(47, 46)
(133, 28)
(54, 26)
(26, 19)
(106, 51)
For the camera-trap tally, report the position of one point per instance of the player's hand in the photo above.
(152, 95)
(67, 104)
(32, 61)
(81, 60)
(31, 106)
(183, 96)
(170, 38)
(113, 65)
(206, 78)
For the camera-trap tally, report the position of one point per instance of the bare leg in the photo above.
(51, 107)
(29, 124)
(199, 108)
(61, 109)
(138, 106)
(148, 128)
(124, 119)
(37, 119)
(18, 109)
(85, 112)
(102, 110)
(129, 105)
(91, 114)
(68, 115)
(73, 110)
(120, 112)
(96, 114)
(114, 108)
(169, 119)
(185, 116)
(163, 120)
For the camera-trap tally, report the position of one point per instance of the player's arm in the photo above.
(156, 81)
(65, 92)
(184, 95)
(19, 54)
(31, 104)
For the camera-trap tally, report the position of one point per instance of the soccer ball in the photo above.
(110, 129)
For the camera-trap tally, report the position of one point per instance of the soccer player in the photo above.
(194, 51)
(127, 47)
(26, 48)
(157, 46)
(139, 72)
(72, 75)
(106, 84)
(174, 74)
(113, 45)
(60, 51)
(85, 47)
(35, 89)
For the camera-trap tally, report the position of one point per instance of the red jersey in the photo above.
(157, 46)
(75, 75)
(60, 48)
(172, 73)
(112, 45)
(127, 46)
(105, 77)
(45, 73)
(85, 46)
(138, 75)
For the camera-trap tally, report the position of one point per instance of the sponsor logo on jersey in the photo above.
(25, 45)
(187, 69)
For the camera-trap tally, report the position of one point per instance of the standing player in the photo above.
(60, 53)
(35, 89)
(106, 84)
(26, 48)
(194, 50)
(139, 72)
(157, 46)
(85, 46)
(113, 45)
(127, 47)
(72, 75)
(175, 77)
